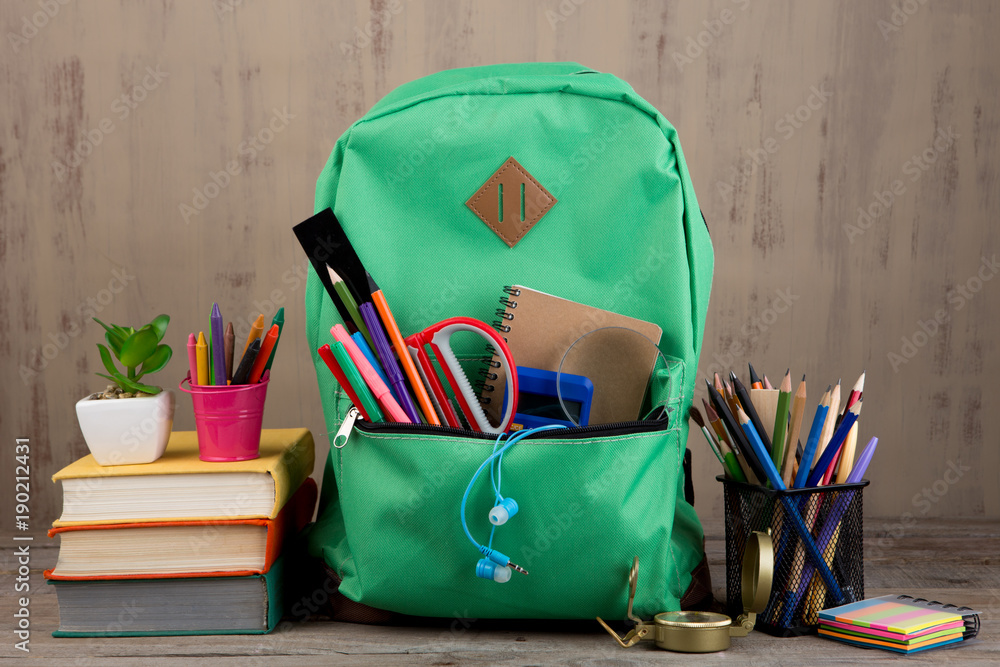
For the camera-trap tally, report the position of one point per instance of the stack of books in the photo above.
(180, 545)
(899, 623)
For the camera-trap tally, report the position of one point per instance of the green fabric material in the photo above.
(626, 235)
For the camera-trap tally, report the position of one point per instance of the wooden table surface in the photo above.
(953, 560)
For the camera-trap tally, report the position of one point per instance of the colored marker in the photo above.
(362, 344)
(371, 378)
(419, 391)
(201, 349)
(354, 379)
(384, 350)
(266, 346)
(326, 354)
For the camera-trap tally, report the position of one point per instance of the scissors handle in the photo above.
(439, 337)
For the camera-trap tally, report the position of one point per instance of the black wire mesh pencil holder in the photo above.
(833, 515)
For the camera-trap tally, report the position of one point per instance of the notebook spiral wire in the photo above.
(483, 385)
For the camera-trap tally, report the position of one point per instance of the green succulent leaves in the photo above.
(134, 349)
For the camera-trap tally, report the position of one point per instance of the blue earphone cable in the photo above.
(511, 441)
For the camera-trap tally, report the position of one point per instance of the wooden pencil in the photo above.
(780, 420)
(798, 412)
(847, 455)
(829, 424)
(765, 402)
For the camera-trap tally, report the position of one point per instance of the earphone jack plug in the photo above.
(517, 568)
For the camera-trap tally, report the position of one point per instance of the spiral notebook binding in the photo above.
(969, 615)
(483, 385)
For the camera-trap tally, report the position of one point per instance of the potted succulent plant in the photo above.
(130, 421)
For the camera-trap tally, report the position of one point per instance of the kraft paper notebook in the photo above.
(180, 486)
(176, 549)
(542, 327)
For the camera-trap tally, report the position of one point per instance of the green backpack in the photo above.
(624, 234)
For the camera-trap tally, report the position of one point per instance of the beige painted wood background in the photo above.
(793, 115)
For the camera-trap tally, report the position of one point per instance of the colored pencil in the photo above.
(781, 420)
(744, 396)
(340, 287)
(736, 433)
(731, 452)
(798, 411)
(830, 424)
(696, 417)
(767, 383)
(755, 382)
(812, 441)
(792, 511)
(816, 476)
(847, 455)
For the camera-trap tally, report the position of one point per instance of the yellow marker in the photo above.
(202, 351)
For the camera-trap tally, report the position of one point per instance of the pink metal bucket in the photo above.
(228, 418)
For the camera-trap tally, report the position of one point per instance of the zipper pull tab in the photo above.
(344, 432)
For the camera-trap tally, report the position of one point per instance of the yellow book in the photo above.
(179, 485)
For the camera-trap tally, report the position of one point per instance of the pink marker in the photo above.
(374, 382)
(193, 357)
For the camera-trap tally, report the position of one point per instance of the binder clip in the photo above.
(703, 631)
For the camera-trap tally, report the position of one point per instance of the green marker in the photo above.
(340, 287)
(365, 395)
(279, 319)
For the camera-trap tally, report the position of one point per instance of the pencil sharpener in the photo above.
(703, 631)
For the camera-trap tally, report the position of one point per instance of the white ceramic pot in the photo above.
(121, 431)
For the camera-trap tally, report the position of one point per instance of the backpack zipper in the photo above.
(598, 430)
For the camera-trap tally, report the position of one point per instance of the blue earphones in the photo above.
(495, 565)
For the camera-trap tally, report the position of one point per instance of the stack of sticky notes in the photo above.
(895, 623)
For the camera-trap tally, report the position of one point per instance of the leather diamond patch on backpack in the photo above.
(511, 202)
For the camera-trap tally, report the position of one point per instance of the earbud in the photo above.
(505, 510)
(487, 569)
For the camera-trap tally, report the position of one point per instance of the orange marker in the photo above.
(265, 353)
(255, 331)
(405, 360)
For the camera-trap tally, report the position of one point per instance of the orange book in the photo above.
(176, 549)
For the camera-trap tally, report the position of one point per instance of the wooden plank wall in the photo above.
(793, 116)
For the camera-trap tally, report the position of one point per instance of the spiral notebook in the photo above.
(540, 328)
